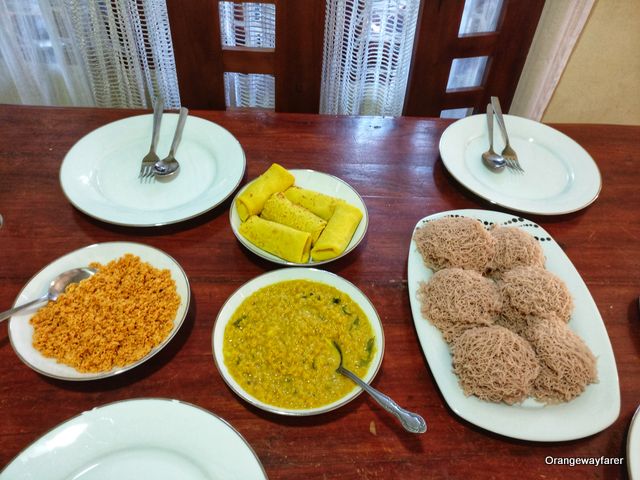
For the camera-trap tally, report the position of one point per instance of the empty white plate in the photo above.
(99, 175)
(141, 438)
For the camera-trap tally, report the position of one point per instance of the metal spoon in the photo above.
(493, 161)
(56, 287)
(169, 165)
(412, 422)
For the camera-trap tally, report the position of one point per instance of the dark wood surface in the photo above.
(394, 163)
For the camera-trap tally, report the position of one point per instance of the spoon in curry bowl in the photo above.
(57, 286)
(412, 422)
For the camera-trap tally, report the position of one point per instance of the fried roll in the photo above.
(280, 209)
(318, 203)
(337, 234)
(275, 179)
(280, 240)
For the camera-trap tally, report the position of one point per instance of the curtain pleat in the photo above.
(109, 53)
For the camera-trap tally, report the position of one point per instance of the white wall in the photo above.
(601, 82)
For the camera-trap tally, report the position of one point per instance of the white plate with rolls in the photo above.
(318, 182)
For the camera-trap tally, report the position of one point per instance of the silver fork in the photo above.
(149, 160)
(508, 153)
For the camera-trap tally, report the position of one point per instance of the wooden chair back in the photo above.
(295, 62)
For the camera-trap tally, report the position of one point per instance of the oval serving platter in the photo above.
(594, 410)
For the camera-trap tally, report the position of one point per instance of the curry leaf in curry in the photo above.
(369, 349)
(238, 321)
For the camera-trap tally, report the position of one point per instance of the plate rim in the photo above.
(297, 273)
(180, 219)
(164, 400)
(113, 372)
(509, 205)
(280, 261)
(633, 440)
(465, 411)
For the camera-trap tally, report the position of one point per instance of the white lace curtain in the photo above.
(118, 53)
(110, 53)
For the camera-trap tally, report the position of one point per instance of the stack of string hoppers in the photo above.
(294, 223)
(503, 314)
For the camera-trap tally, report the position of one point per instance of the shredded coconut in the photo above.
(113, 318)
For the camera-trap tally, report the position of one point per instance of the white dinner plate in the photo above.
(560, 176)
(21, 331)
(319, 182)
(633, 447)
(99, 175)
(593, 411)
(276, 276)
(140, 438)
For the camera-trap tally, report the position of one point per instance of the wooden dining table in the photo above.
(394, 163)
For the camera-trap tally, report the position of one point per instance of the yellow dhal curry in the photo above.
(278, 344)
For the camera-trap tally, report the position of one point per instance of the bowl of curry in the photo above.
(273, 341)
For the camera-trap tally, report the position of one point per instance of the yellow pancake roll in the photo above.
(338, 232)
(280, 240)
(318, 203)
(251, 201)
(279, 208)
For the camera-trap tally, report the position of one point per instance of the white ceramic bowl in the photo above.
(276, 276)
(319, 182)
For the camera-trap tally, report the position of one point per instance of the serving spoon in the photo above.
(492, 160)
(412, 422)
(56, 287)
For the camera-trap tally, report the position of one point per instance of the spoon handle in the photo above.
(13, 311)
(495, 103)
(412, 422)
(184, 112)
(490, 124)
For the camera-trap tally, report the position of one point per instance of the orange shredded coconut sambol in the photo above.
(111, 319)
